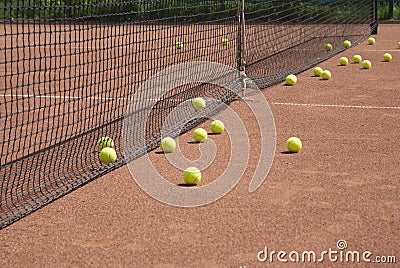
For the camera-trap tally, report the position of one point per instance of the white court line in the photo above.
(337, 105)
(76, 97)
(382, 50)
(53, 97)
(275, 103)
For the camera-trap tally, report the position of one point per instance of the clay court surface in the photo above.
(343, 185)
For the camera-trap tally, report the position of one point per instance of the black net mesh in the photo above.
(69, 71)
(284, 37)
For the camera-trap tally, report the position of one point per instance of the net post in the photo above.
(67, 8)
(241, 46)
(374, 23)
(391, 9)
(221, 5)
(239, 35)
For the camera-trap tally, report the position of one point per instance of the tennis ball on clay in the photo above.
(326, 75)
(198, 103)
(168, 145)
(192, 175)
(179, 45)
(357, 58)
(328, 47)
(371, 41)
(346, 44)
(248, 81)
(217, 127)
(387, 57)
(200, 135)
(291, 80)
(398, 44)
(105, 142)
(294, 145)
(343, 61)
(108, 155)
(366, 64)
(318, 71)
(225, 41)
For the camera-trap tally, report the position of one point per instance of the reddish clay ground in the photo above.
(342, 185)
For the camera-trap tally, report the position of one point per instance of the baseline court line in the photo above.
(53, 97)
(382, 50)
(74, 97)
(336, 105)
(275, 103)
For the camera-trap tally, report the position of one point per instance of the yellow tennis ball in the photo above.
(179, 45)
(326, 75)
(371, 41)
(192, 175)
(217, 127)
(366, 64)
(294, 144)
(291, 80)
(343, 61)
(108, 155)
(398, 44)
(225, 41)
(318, 71)
(200, 135)
(168, 145)
(346, 44)
(105, 142)
(248, 81)
(357, 58)
(198, 103)
(387, 57)
(328, 47)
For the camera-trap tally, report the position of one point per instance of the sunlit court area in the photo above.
(199, 133)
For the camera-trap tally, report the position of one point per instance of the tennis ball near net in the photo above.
(225, 41)
(108, 155)
(357, 58)
(179, 45)
(198, 103)
(248, 82)
(291, 80)
(200, 135)
(192, 175)
(105, 142)
(344, 61)
(328, 47)
(326, 75)
(366, 64)
(318, 71)
(217, 127)
(294, 145)
(346, 44)
(168, 145)
(387, 57)
(371, 41)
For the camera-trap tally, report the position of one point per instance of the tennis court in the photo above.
(64, 85)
